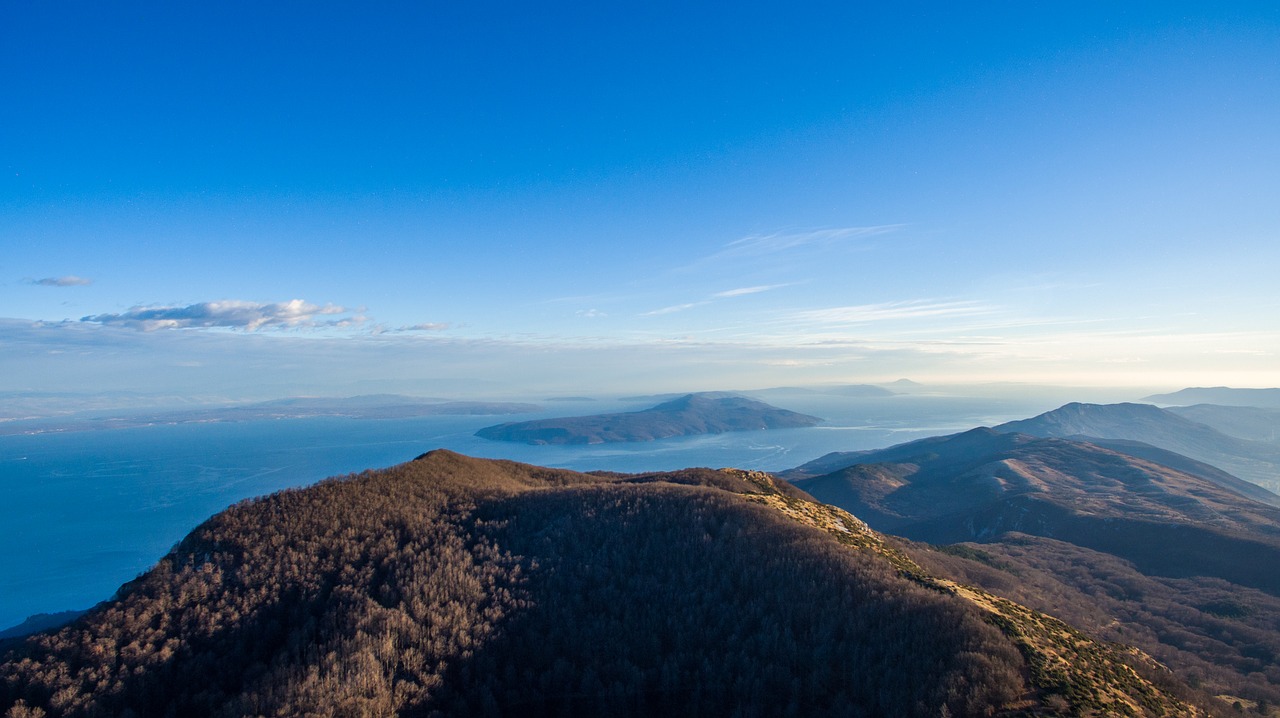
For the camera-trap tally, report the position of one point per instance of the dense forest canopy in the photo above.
(455, 586)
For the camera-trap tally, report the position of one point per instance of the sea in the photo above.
(82, 512)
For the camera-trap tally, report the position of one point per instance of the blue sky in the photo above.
(259, 199)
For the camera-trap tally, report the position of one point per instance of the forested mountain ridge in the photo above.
(456, 586)
(1071, 671)
(1173, 562)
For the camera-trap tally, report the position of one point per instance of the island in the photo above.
(701, 413)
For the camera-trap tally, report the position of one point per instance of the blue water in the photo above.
(83, 512)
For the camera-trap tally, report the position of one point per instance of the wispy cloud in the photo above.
(590, 313)
(68, 281)
(672, 309)
(426, 327)
(757, 244)
(230, 314)
(893, 311)
(727, 294)
(747, 290)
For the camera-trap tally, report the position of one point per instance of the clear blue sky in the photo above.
(258, 199)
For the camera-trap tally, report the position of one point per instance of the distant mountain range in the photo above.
(707, 413)
(1226, 396)
(1253, 461)
(852, 391)
(372, 406)
(452, 586)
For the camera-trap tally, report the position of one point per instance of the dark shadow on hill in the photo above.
(651, 599)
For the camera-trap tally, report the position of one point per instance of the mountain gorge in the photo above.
(456, 586)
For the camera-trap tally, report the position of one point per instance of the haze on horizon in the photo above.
(249, 200)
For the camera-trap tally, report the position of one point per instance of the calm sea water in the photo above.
(81, 513)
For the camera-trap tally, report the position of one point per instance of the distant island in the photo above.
(850, 391)
(707, 413)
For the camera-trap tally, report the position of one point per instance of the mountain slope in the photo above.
(1221, 635)
(1173, 460)
(455, 586)
(982, 483)
(1250, 460)
(1121, 546)
(687, 415)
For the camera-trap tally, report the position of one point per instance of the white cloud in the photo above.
(590, 313)
(426, 327)
(232, 314)
(68, 281)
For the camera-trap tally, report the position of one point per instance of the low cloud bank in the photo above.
(230, 314)
(68, 281)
